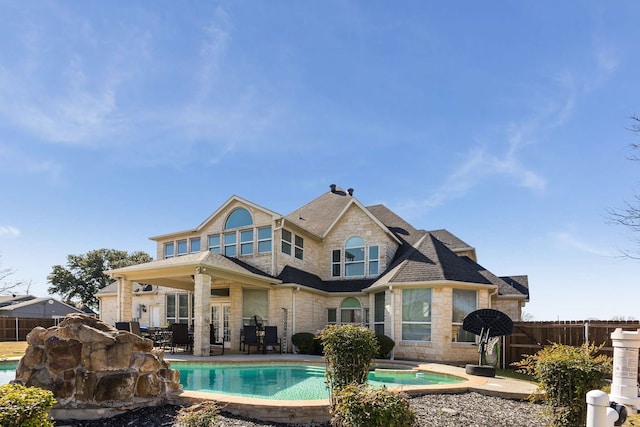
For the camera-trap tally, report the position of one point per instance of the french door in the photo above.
(220, 315)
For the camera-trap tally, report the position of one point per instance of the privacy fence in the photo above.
(529, 337)
(17, 328)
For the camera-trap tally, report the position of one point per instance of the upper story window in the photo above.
(238, 218)
(168, 250)
(194, 244)
(214, 243)
(288, 243)
(241, 238)
(182, 247)
(264, 240)
(358, 260)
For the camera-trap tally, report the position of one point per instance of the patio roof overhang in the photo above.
(178, 272)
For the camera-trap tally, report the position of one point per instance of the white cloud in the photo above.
(7, 231)
(568, 240)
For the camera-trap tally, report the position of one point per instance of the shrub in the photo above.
(566, 374)
(22, 406)
(202, 415)
(363, 406)
(304, 341)
(386, 345)
(348, 350)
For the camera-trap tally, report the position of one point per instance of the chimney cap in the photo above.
(333, 188)
(350, 191)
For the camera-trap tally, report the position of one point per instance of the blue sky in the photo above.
(503, 122)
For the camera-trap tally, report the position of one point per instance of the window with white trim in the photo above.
(246, 242)
(299, 248)
(264, 240)
(214, 243)
(350, 311)
(286, 242)
(416, 314)
(168, 250)
(464, 302)
(230, 244)
(336, 263)
(358, 259)
(182, 247)
(194, 245)
(177, 308)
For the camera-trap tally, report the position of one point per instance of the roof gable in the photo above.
(221, 210)
(320, 215)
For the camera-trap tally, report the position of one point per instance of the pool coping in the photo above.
(317, 411)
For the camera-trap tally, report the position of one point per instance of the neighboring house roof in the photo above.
(18, 306)
(6, 300)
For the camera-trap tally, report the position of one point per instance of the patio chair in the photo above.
(213, 342)
(251, 338)
(271, 339)
(180, 336)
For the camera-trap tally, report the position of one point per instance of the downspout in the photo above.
(491, 294)
(391, 317)
(273, 244)
(118, 305)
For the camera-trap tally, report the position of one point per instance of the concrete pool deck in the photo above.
(315, 411)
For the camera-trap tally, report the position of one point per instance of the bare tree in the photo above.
(8, 286)
(629, 215)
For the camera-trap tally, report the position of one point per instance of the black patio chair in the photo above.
(134, 328)
(271, 339)
(213, 342)
(180, 336)
(251, 338)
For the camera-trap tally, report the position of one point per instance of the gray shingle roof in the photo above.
(318, 215)
(398, 226)
(452, 242)
(293, 275)
(430, 260)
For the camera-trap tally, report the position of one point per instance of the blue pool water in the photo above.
(281, 381)
(7, 372)
(289, 381)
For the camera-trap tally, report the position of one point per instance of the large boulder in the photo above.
(95, 370)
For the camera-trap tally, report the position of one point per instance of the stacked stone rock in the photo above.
(88, 364)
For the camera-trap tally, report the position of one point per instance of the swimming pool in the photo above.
(286, 381)
(7, 372)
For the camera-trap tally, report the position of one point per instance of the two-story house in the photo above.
(332, 261)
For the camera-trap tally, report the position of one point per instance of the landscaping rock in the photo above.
(89, 365)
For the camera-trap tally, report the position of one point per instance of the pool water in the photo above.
(281, 381)
(7, 372)
(284, 381)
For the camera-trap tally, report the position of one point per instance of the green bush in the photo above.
(566, 374)
(386, 345)
(22, 406)
(202, 415)
(349, 351)
(363, 406)
(304, 341)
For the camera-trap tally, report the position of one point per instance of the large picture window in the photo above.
(358, 260)
(354, 257)
(416, 314)
(464, 302)
(255, 302)
(238, 218)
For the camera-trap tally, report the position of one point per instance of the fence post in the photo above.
(17, 329)
(586, 332)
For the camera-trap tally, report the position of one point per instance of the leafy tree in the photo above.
(629, 215)
(83, 276)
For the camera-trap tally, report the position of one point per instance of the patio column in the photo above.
(125, 300)
(202, 313)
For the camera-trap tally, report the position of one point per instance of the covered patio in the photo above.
(199, 273)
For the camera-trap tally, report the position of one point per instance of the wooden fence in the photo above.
(529, 337)
(17, 328)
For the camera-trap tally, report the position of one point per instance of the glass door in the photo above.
(220, 316)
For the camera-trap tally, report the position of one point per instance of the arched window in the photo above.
(239, 218)
(354, 257)
(350, 311)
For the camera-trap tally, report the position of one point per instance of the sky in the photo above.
(506, 123)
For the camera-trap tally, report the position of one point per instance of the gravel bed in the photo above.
(434, 410)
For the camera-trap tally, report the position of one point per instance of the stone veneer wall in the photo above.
(88, 364)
